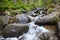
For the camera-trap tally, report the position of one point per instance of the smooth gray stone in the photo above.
(22, 18)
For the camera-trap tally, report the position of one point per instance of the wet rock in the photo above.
(51, 28)
(32, 13)
(59, 24)
(4, 20)
(37, 11)
(40, 10)
(47, 36)
(48, 19)
(22, 18)
(58, 33)
(37, 8)
(14, 30)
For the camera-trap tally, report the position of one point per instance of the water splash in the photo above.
(14, 38)
(34, 31)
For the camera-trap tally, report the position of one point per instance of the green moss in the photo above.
(55, 20)
(50, 10)
(14, 18)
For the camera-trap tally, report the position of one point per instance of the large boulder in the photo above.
(4, 20)
(14, 30)
(48, 19)
(21, 18)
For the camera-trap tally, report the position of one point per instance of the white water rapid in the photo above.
(34, 30)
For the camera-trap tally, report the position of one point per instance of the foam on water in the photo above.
(33, 32)
(12, 38)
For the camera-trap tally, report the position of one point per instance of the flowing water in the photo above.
(34, 31)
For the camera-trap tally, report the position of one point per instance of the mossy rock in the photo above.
(52, 18)
(50, 10)
(15, 30)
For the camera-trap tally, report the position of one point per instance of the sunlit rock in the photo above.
(59, 29)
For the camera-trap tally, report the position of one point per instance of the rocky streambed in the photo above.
(32, 25)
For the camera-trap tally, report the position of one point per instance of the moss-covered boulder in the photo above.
(15, 30)
(48, 19)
